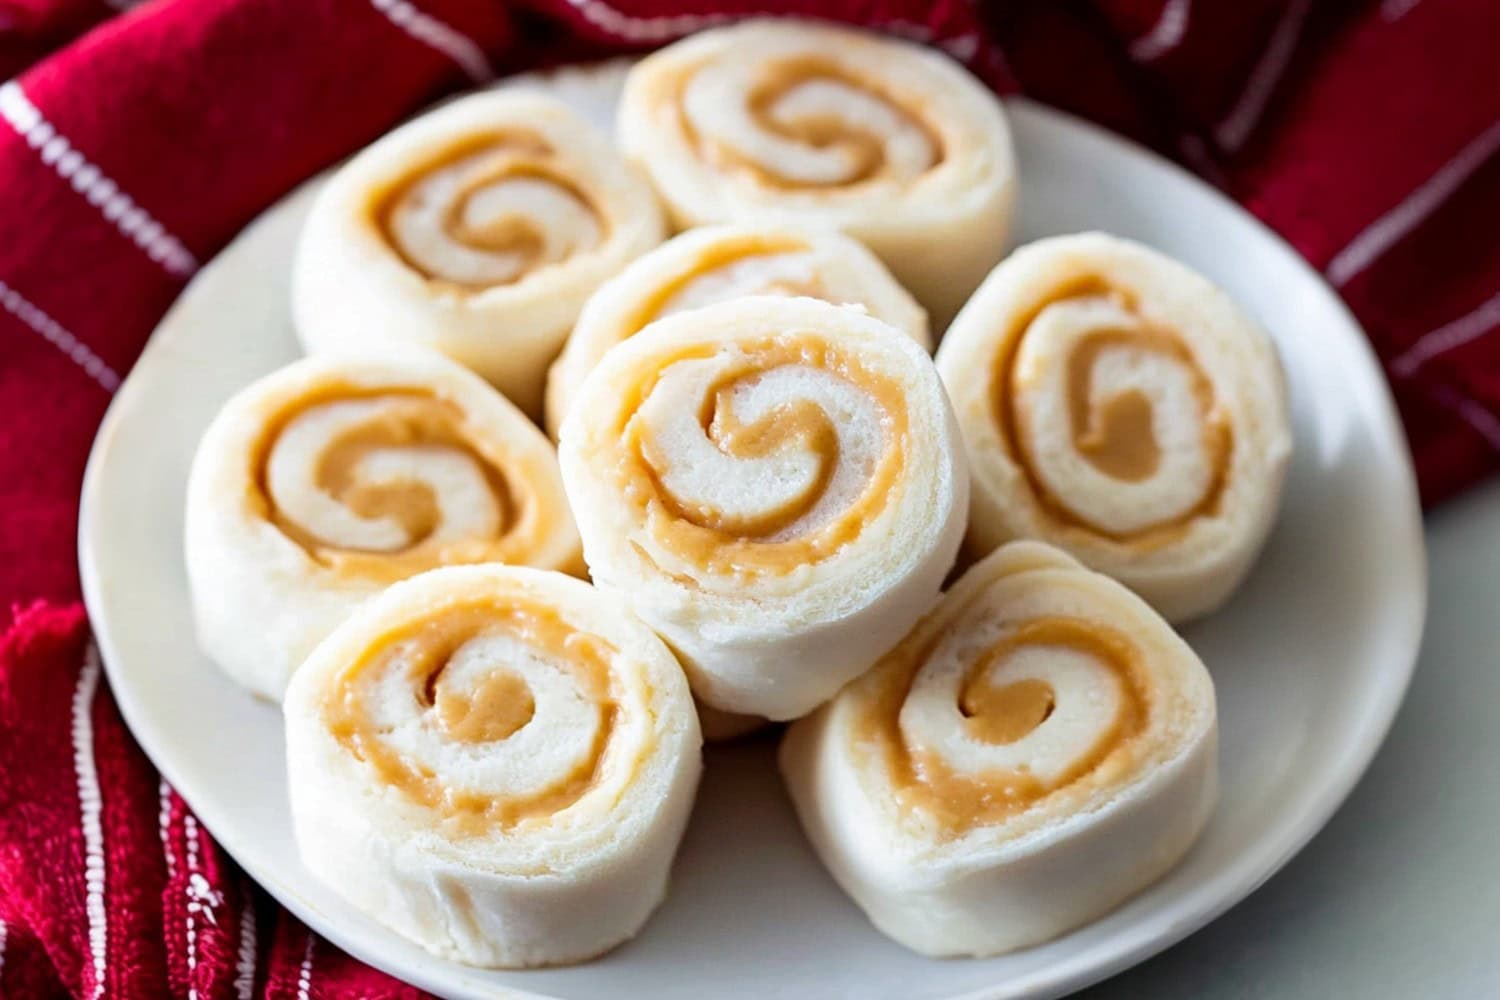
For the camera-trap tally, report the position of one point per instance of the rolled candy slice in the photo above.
(1118, 405)
(495, 762)
(717, 263)
(775, 485)
(789, 122)
(329, 479)
(1040, 748)
(477, 230)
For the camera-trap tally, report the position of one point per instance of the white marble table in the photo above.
(1400, 895)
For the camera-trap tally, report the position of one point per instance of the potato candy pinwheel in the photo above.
(331, 478)
(775, 485)
(717, 263)
(495, 762)
(799, 123)
(1040, 748)
(477, 230)
(1118, 405)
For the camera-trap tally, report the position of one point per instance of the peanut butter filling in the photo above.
(863, 145)
(957, 801)
(500, 708)
(1004, 714)
(1118, 437)
(722, 544)
(798, 425)
(441, 222)
(713, 258)
(497, 710)
(405, 419)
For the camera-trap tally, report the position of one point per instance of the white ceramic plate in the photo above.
(1311, 658)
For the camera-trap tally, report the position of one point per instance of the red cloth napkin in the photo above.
(1366, 133)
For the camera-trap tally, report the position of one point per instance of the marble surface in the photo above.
(1399, 896)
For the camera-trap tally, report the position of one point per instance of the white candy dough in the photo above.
(791, 122)
(477, 230)
(775, 485)
(417, 797)
(328, 479)
(959, 843)
(1116, 404)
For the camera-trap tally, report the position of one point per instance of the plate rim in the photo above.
(1208, 899)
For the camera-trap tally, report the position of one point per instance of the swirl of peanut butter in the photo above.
(731, 269)
(1110, 417)
(805, 121)
(735, 270)
(492, 715)
(762, 457)
(385, 484)
(979, 721)
(490, 213)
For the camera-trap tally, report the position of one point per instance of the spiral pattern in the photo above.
(789, 447)
(758, 457)
(799, 123)
(716, 264)
(389, 484)
(492, 215)
(331, 478)
(483, 754)
(492, 715)
(1118, 405)
(1018, 698)
(762, 450)
(768, 271)
(806, 121)
(1114, 422)
(477, 230)
(1041, 735)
